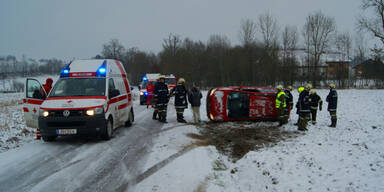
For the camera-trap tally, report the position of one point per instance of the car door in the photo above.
(261, 106)
(113, 102)
(34, 97)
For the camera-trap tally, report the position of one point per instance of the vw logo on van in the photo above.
(66, 113)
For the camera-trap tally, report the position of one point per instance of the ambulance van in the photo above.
(91, 97)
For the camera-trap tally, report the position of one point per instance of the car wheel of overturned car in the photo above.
(49, 138)
(130, 119)
(108, 130)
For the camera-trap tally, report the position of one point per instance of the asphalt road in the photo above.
(82, 164)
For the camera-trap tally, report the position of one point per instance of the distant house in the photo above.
(337, 70)
(332, 66)
(370, 69)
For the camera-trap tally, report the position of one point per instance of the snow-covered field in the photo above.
(347, 158)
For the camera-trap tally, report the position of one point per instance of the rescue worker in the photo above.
(48, 85)
(149, 89)
(281, 104)
(161, 95)
(289, 100)
(194, 98)
(181, 103)
(315, 102)
(332, 104)
(299, 90)
(304, 113)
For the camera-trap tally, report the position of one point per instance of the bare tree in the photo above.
(247, 33)
(290, 38)
(113, 50)
(317, 32)
(268, 27)
(375, 24)
(218, 47)
(360, 48)
(172, 43)
(343, 43)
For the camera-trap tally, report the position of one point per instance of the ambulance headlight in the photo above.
(44, 113)
(141, 93)
(92, 112)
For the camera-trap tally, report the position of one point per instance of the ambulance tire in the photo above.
(49, 138)
(131, 118)
(108, 130)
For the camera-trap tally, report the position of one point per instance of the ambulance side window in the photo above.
(112, 91)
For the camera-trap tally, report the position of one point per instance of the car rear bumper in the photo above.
(84, 125)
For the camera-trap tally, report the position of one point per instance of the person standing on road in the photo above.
(304, 113)
(194, 98)
(299, 90)
(181, 103)
(315, 102)
(161, 95)
(150, 87)
(332, 104)
(281, 104)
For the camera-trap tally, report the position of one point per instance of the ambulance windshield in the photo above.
(69, 87)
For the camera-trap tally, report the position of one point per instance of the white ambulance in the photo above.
(91, 97)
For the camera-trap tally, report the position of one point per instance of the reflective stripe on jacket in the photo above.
(280, 100)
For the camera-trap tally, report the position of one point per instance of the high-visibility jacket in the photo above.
(281, 100)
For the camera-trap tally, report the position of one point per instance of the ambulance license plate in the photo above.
(66, 131)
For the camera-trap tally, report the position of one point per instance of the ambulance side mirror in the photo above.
(114, 93)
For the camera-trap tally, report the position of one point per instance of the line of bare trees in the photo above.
(11, 67)
(267, 54)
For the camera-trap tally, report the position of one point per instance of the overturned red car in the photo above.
(242, 103)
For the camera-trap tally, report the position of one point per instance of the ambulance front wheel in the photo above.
(108, 130)
(131, 118)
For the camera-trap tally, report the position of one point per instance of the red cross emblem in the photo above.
(34, 110)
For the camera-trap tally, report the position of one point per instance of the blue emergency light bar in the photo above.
(65, 71)
(145, 78)
(102, 70)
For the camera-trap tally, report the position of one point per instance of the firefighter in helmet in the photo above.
(299, 90)
(180, 93)
(161, 95)
(315, 103)
(332, 104)
(289, 100)
(304, 113)
(281, 104)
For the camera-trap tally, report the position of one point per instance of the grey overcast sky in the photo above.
(69, 29)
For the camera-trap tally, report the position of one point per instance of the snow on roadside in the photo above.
(13, 132)
(175, 163)
(348, 158)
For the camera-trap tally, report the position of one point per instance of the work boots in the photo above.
(333, 123)
(180, 118)
(154, 117)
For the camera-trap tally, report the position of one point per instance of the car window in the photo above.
(111, 85)
(238, 105)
